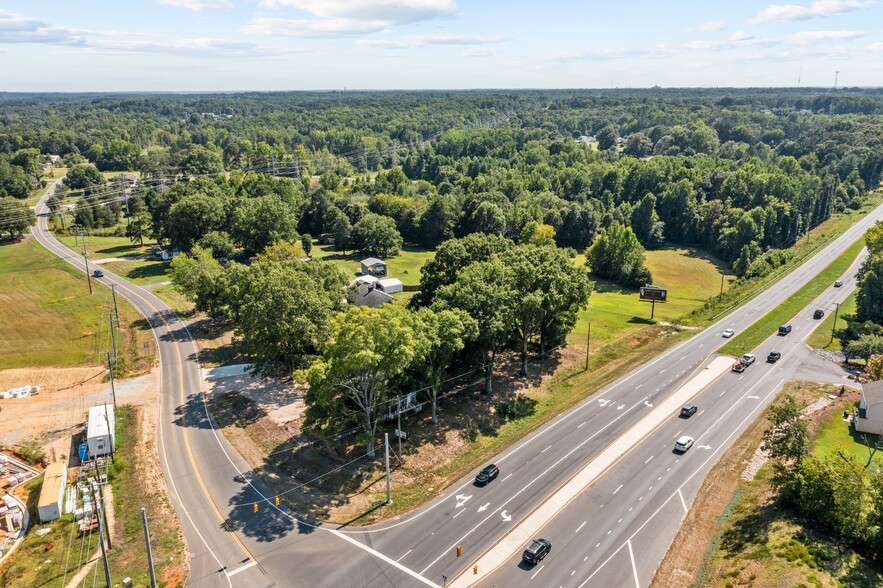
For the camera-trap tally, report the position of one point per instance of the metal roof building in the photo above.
(100, 434)
(52, 492)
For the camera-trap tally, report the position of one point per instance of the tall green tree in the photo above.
(15, 217)
(367, 349)
(286, 312)
(375, 234)
(259, 222)
(868, 298)
(450, 258)
(787, 438)
(81, 177)
(486, 291)
(193, 217)
(618, 255)
(441, 336)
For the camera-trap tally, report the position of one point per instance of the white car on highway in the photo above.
(683, 443)
(727, 333)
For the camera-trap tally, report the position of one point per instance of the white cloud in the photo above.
(326, 28)
(477, 52)
(701, 45)
(743, 39)
(17, 28)
(340, 18)
(805, 38)
(398, 11)
(819, 8)
(712, 26)
(200, 5)
(875, 47)
(408, 41)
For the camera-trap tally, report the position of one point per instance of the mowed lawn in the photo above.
(137, 270)
(48, 316)
(691, 277)
(404, 266)
(103, 247)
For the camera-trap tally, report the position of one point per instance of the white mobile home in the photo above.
(100, 435)
(52, 492)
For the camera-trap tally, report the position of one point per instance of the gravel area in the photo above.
(835, 356)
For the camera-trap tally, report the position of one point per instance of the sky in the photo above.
(228, 45)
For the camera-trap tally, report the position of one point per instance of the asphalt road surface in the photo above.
(214, 492)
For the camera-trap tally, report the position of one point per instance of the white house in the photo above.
(389, 285)
(869, 418)
(52, 492)
(100, 433)
(373, 267)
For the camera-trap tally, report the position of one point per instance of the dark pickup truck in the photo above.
(773, 357)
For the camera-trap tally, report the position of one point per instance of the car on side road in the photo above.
(98, 274)
(683, 443)
(773, 357)
(487, 474)
(819, 313)
(727, 333)
(537, 550)
(838, 283)
(689, 410)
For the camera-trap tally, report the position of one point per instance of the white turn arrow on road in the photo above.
(462, 499)
(753, 397)
(506, 517)
(603, 401)
(648, 404)
(703, 447)
(620, 407)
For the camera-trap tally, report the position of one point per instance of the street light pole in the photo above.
(834, 326)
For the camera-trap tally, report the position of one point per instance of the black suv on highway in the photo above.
(773, 357)
(819, 313)
(688, 410)
(539, 549)
(487, 474)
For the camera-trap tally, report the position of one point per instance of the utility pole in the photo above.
(113, 339)
(112, 388)
(386, 449)
(834, 326)
(399, 430)
(149, 551)
(588, 342)
(104, 510)
(116, 311)
(81, 232)
(101, 542)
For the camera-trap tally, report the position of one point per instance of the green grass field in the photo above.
(404, 266)
(767, 325)
(837, 435)
(48, 316)
(821, 337)
(691, 277)
(100, 247)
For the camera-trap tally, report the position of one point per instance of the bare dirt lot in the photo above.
(61, 407)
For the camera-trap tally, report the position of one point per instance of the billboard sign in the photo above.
(653, 294)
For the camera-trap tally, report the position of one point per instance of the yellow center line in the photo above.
(124, 286)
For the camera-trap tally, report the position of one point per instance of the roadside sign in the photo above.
(401, 434)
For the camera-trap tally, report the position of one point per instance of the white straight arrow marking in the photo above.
(481, 508)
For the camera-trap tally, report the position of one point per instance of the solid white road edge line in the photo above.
(549, 508)
(634, 567)
(388, 560)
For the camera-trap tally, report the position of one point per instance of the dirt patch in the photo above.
(688, 552)
(62, 406)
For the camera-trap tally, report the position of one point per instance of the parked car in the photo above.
(683, 443)
(773, 357)
(688, 410)
(819, 313)
(727, 333)
(784, 329)
(537, 550)
(748, 359)
(98, 273)
(838, 283)
(487, 474)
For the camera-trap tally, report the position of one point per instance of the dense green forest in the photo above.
(508, 186)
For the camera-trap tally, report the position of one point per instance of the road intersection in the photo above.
(629, 514)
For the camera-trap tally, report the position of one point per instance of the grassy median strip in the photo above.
(825, 335)
(754, 335)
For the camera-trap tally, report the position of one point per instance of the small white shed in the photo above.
(389, 285)
(372, 266)
(100, 434)
(52, 492)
